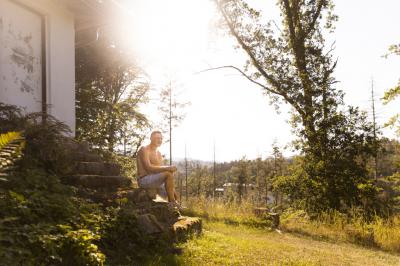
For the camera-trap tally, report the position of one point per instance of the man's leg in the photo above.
(169, 186)
(176, 195)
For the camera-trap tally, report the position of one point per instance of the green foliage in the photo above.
(44, 222)
(35, 204)
(333, 174)
(241, 174)
(392, 94)
(11, 118)
(6, 138)
(110, 88)
(293, 65)
(123, 242)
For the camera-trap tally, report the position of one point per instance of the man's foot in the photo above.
(175, 205)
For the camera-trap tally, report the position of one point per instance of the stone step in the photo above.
(5, 162)
(14, 145)
(99, 182)
(74, 145)
(186, 227)
(97, 168)
(9, 150)
(86, 157)
(107, 198)
(138, 196)
(149, 224)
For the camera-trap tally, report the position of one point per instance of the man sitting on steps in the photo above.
(151, 172)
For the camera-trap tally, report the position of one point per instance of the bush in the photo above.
(43, 222)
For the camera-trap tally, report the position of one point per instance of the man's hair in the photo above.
(155, 132)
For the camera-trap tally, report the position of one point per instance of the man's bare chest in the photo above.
(154, 158)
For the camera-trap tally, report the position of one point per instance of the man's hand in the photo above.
(172, 168)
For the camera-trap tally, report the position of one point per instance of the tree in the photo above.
(278, 165)
(171, 112)
(109, 89)
(241, 174)
(392, 94)
(294, 66)
(199, 180)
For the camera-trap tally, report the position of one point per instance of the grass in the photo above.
(379, 233)
(223, 244)
(232, 235)
(227, 212)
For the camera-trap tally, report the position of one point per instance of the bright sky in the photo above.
(175, 38)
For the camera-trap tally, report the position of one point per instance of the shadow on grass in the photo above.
(354, 239)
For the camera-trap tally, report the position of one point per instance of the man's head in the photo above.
(156, 138)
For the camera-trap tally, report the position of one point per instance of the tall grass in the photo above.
(332, 226)
(379, 233)
(227, 212)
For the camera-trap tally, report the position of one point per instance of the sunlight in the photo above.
(172, 33)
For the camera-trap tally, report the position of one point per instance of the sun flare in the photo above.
(171, 33)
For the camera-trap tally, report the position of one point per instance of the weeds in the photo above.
(334, 226)
(228, 212)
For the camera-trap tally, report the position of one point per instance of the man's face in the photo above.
(156, 139)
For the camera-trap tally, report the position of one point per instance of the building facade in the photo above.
(37, 57)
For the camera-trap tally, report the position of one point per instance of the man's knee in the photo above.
(168, 175)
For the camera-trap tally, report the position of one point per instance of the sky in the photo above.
(175, 40)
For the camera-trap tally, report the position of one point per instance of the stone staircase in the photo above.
(9, 154)
(102, 182)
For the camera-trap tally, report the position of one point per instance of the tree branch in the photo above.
(275, 83)
(315, 17)
(244, 74)
(284, 95)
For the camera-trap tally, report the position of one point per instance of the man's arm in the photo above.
(145, 157)
(172, 168)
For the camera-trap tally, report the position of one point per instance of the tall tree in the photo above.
(241, 172)
(278, 166)
(293, 65)
(109, 90)
(171, 110)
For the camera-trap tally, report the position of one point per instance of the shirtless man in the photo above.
(151, 172)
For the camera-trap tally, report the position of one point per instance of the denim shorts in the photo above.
(152, 181)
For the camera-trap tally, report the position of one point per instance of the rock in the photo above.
(186, 226)
(98, 168)
(264, 213)
(274, 218)
(149, 224)
(86, 157)
(260, 212)
(164, 212)
(138, 195)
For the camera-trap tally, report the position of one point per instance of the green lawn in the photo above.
(223, 244)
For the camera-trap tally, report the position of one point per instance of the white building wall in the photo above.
(20, 56)
(60, 58)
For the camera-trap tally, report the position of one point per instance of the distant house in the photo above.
(37, 53)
